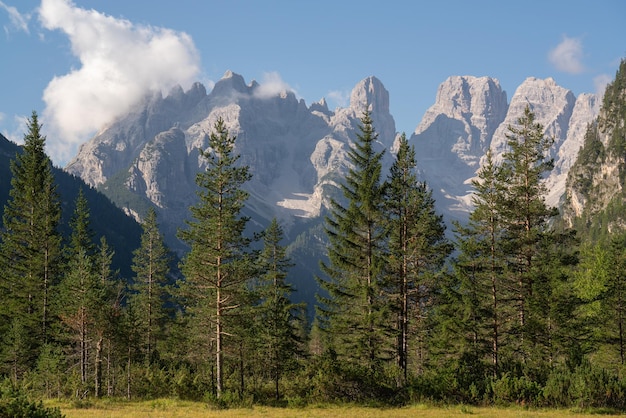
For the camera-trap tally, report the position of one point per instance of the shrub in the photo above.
(14, 403)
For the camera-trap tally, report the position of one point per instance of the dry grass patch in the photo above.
(167, 408)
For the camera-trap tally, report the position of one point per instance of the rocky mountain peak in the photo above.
(298, 154)
(370, 92)
(230, 83)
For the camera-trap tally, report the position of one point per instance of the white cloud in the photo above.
(272, 85)
(119, 62)
(600, 82)
(15, 130)
(18, 21)
(339, 98)
(567, 56)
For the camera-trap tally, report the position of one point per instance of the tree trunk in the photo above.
(98, 369)
(218, 346)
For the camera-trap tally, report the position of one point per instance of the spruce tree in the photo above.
(107, 317)
(30, 245)
(151, 266)
(81, 236)
(218, 263)
(526, 217)
(278, 316)
(78, 292)
(417, 249)
(479, 268)
(352, 311)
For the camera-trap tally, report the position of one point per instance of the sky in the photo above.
(79, 64)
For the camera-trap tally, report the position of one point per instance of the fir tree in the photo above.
(151, 266)
(526, 217)
(82, 236)
(218, 263)
(417, 248)
(30, 244)
(277, 322)
(479, 268)
(353, 311)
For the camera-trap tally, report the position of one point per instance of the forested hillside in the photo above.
(107, 219)
(516, 309)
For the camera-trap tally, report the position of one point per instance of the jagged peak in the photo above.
(370, 92)
(320, 106)
(230, 81)
(197, 89)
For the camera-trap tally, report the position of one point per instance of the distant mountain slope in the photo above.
(122, 232)
(595, 198)
(296, 154)
(471, 115)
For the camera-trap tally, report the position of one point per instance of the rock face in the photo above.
(296, 154)
(471, 115)
(455, 134)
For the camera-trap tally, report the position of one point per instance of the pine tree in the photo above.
(107, 316)
(526, 217)
(479, 268)
(277, 319)
(30, 244)
(601, 282)
(78, 292)
(218, 263)
(151, 266)
(352, 311)
(82, 236)
(417, 248)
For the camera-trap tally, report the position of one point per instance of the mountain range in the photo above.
(297, 154)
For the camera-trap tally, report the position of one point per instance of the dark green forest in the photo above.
(520, 307)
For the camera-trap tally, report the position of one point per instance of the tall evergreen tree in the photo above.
(526, 217)
(78, 303)
(479, 268)
(280, 343)
(218, 263)
(417, 247)
(151, 266)
(601, 284)
(30, 244)
(353, 312)
(81, 236)
(107, 318)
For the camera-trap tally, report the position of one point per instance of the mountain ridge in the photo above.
(297, 154)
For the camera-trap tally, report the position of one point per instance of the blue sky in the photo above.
(80, 63)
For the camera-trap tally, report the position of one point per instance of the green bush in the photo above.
(586, 386)
(515, 390)
(15, 404)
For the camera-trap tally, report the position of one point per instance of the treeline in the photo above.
(514, 310)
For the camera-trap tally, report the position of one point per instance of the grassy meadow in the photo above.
(182, 409)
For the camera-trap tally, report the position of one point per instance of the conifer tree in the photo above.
(30, 244)
(277, 321)
(78, 298)
(218, 263)
(151, 266)
(107, 316)
(353, 312)
(479, 268)
(417, 247)
(82, 236)
(600, 282)
(526, 217)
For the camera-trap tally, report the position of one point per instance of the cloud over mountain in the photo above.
(119, 62)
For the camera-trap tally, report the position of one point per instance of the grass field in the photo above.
(180, 409)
